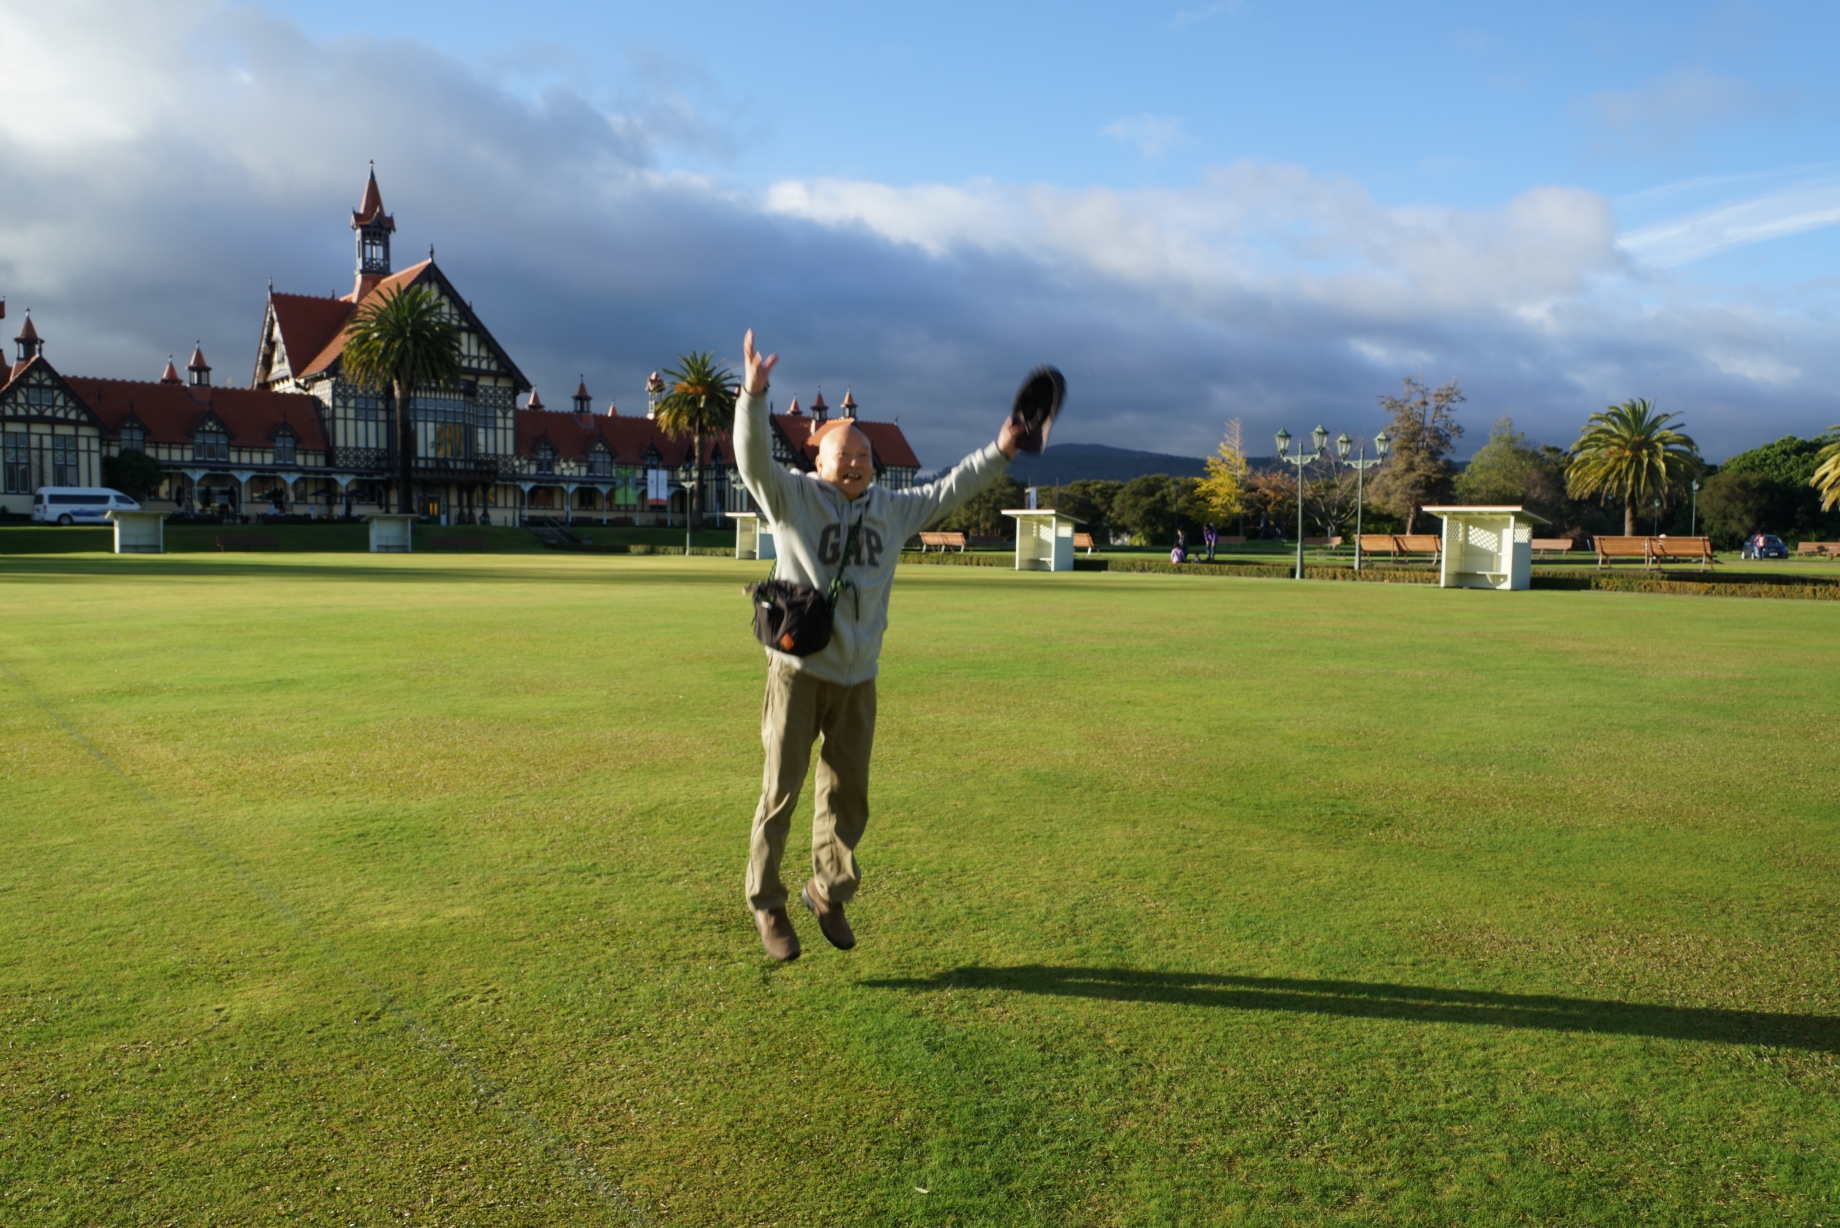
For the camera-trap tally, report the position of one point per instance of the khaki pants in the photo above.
(800, 709)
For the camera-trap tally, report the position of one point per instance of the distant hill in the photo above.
(1074, 462)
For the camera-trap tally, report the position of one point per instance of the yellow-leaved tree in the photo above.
(1223, 490)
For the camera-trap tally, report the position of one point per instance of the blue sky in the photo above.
(1264, 210)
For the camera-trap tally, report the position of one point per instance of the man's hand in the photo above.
(759, 370)
(1006, 438)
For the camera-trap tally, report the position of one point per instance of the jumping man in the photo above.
(829, 695)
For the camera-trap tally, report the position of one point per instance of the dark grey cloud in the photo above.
(203, 151)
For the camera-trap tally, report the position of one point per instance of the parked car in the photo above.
(79, 504)
(1764, 546)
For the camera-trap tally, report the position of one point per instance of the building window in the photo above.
(133, 438)
(546, 458)
(211, 444)
(600, 462)
(40, 394)
(284, 448)
(18, 452)
(64, 461)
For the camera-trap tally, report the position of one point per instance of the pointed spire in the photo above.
(849, 403)
(582, 399)
(374, 228)
(372, 204)
(819, 410)
(31, 345)
(200, 369)
(793, 409)
(536, 400)
(613, 411)
(171, 374)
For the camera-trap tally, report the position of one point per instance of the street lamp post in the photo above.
(1360, 467)
(1657, 532)
(1321, 438)
(1693, 524)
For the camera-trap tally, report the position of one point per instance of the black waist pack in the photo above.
(796, 618)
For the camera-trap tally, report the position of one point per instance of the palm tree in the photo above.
(1827, 478)
(403, 341)
(1630, 452)
(700, 403)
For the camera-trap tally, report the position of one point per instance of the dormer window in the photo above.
(211, 443)
(546, 457)
(133, 438)
(284, 448)
(600, 461)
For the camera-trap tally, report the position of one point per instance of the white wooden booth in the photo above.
(753, 535)
(139, 532)
(1487, 547)
(392, 534)
(1044, 539)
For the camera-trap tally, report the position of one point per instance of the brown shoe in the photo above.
(776, 934)
(830, 919)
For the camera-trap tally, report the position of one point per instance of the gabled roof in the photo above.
(172, 413)
(307, 324)
(328, 318)
(39, 363)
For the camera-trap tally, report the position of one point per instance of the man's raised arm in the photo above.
(926, 504)
(772, 487)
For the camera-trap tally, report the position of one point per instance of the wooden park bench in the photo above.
(1379, 543)
(1654, 551)
(1238, 539)
(1084, 541)
(1609, 549)
(475, 545)
(943, 541)
(1680, 549)
(1829, 550)
(248, 541)
(1553, 545)
(1420, 543)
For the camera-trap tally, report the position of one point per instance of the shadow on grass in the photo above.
(1419, 1003)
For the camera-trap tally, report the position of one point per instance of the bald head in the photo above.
(845, 459)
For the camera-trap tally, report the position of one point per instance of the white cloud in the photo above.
(1796, 209)
(163, 159)
(1149, 134)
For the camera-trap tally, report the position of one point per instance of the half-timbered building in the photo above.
(303, 438)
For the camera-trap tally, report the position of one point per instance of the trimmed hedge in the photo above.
(1805, 588)
(1243, 571)
(1816, 588)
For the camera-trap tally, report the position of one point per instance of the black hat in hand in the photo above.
(1038, 401)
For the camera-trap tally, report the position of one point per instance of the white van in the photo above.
(79, 504)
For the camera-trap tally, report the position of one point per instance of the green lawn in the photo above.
(341, 889)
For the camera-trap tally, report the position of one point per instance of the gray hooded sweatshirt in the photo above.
(811, 521)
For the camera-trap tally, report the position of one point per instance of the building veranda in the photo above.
(301, 439)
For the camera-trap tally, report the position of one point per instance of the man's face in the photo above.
(845, 461)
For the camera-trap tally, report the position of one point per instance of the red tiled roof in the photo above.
(335, 344)
(172, 412)
(308, 325)
(886, 438)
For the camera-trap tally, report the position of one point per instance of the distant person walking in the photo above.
(817, 520)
